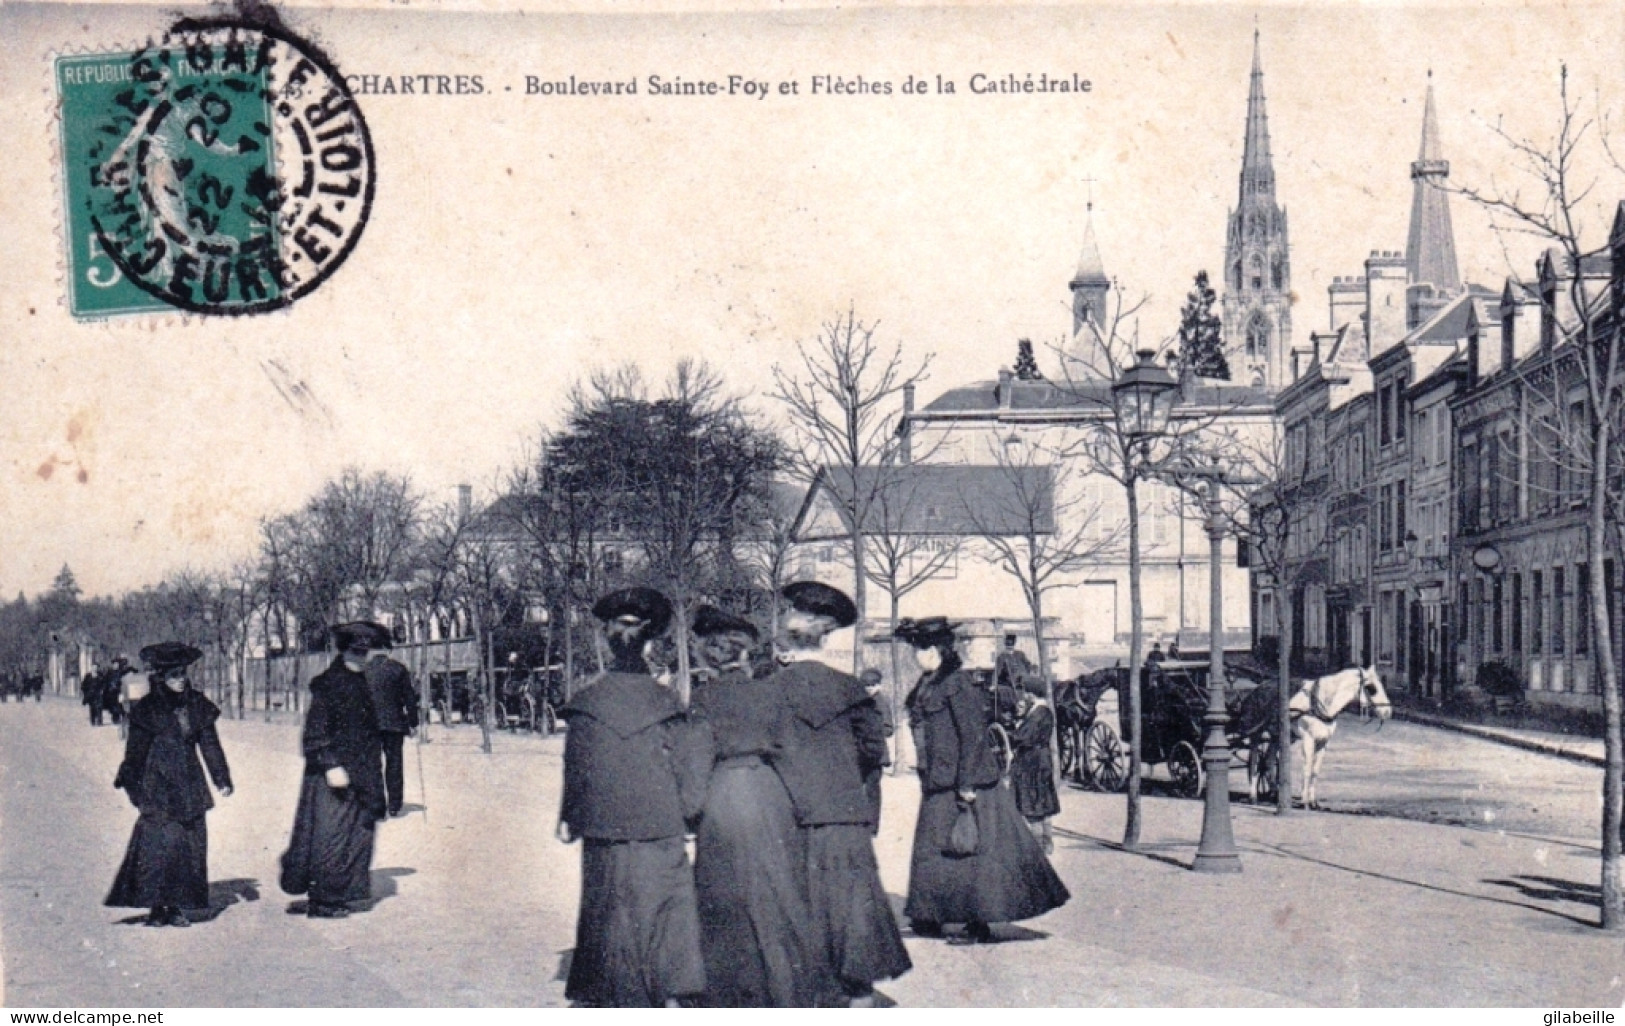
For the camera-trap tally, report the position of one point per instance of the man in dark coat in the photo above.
(341, 797)
(90, 692)
(835, 748)
(634, 776)
(166, 866)
(395, 702)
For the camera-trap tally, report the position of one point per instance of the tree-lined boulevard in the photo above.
(1447, 871)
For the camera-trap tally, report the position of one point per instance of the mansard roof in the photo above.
(929, 499)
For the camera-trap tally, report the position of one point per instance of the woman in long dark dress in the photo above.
(166, 867)
(1008, 877)
(750, 856)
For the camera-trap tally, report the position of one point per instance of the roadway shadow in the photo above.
(222, 895)
(383, 887)
(1151, 852)
(407, 808)
(1550, 888)
(1287, 853)
(566, 957)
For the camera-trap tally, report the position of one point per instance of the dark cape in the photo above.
(329, 854)
(837, 749)
(1032, 773)
(749, 856)
(167, 861)
(1009, 878)
(633, 774)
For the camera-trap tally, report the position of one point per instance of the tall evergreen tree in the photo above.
(1201, 340)
(1026, 364)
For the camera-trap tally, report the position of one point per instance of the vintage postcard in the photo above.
(538, 504)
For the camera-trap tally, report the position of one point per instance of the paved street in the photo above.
(1450, 871)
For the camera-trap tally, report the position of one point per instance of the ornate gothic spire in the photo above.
(1257, 170)
(1430, 252)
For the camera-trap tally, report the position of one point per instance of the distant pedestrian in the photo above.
(166, 866)
(90, 694)
(831, 765)
(756, 929)
(1156, 655)
(634, 777)
(1032, 770)
(341, 795)
(395, 703)
(1173, 650)
(113, 691)
(975, 861)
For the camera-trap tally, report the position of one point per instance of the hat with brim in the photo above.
(926, 632)
(361, 634)
(819, 599)
(170, 655)
(709, 620)
(644, 604)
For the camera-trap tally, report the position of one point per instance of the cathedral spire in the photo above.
(1257, 170)
(1430, 251)
(1257, 262)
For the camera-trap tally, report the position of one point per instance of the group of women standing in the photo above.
(776, 765)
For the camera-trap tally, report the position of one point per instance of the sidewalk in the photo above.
(1577, 748)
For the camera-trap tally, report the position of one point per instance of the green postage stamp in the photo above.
(225, 169)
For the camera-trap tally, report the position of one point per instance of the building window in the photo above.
(1463, 615)
(1401, 415)
(1559, 596)
(1467, 513)
(1537, 609)
(1484, 618)
(1582, 608)
(1399, 512)
(1399, 630)
(1385, 518)
(1498, 638)
(1384, 415)
(1517, 614)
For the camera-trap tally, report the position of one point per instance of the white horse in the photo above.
(1314, 715)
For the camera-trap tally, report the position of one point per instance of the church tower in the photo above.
(1257, 307)
(1430, 251)
(1090, 284)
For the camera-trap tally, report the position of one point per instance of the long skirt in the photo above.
(329, 855)
(749, 872)
(850, 911)
(167, 863)
(638, 930)
(1032, 778)
(1008, 878)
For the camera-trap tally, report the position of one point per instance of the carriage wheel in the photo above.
(1104, 763)
(1185, 767)
(999, 740)
(528, 715)
(550, 720)
(1269, 776)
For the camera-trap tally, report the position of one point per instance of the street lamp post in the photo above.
(1216, 853)
(1142, 400)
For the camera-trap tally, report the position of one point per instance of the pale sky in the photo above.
(516, 241)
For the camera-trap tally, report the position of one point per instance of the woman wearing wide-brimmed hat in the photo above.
(975, 860)
(166, 867)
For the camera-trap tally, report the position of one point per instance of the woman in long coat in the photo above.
(750, 856)
(1007, 878)
(166, 867)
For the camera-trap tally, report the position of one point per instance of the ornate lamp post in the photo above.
(1143, 398)
(1216, 853)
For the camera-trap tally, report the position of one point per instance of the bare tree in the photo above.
(1549, 199)
(1113, 446)
(1038, 525)
(839, 397)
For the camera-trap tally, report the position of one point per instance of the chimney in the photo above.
(465, 502)
(1006, 375)
(1384, 300)
(1346, 295)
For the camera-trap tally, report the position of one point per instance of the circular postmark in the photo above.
(235, 174)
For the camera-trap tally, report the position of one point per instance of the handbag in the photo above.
(964, 837)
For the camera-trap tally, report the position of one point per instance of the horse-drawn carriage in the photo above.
(525, 699)
(1173, 700)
